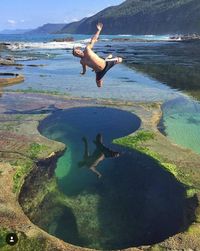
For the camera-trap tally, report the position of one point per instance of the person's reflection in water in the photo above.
(100, 153)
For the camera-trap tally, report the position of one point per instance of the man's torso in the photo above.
(92, 60)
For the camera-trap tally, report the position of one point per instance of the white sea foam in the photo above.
(84, 41)
(157, 37)
(48, 45)
(25, 58)
(125, 35)
(165, 38)
(104, 39)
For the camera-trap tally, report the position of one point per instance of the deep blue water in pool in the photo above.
(134, 202)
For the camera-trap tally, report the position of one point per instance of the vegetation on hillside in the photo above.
(143, 17)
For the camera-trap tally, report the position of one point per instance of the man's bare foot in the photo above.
(119, 60)
(99, 83)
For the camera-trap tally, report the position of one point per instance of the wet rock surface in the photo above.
(67, 39)
(3, 46)
(10, 78)
(186, 38)
(8, 61)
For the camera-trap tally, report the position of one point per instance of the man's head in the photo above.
(77, 52)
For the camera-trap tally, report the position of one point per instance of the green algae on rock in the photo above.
(138, 140)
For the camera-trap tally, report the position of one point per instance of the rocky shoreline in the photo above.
(178, 38)
(186, 38)
(8, 61)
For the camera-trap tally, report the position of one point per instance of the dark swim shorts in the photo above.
(109, 64)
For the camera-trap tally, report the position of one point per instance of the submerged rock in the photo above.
(133, 40)
(3, 46)
(35, 65)
(9, 61)
(6, 61)
(67, 39)
(19, 67)
(186, 38)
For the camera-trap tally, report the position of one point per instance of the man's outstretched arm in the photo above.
(94, 39)
(84, 69)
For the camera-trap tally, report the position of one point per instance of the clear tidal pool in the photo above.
(181, 122)
(134, 202)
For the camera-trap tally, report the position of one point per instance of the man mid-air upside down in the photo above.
(91, 59)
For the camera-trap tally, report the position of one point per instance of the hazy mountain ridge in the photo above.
(16, 31)
(143, 17)
(71, 27)
(47, 29)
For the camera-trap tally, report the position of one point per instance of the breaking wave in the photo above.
(48, 45)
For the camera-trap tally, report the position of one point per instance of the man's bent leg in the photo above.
(95, 171)
(109, 64)
(116, 60)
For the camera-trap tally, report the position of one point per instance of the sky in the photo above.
(26, 14)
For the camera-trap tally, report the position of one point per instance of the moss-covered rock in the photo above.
(24, 243)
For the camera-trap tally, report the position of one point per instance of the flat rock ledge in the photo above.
(10, 78)
(20, 115)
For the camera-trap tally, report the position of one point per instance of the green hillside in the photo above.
(143, 17)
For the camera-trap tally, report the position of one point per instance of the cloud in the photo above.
(75, 19)
(12, 22)
(90, 14)
(69, 20)
(22, 20)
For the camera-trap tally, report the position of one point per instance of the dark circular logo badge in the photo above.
(11, 239)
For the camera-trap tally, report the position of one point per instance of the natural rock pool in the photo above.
(114, 197)
(182, 125)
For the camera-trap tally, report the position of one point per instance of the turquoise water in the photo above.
(182, 122)
(135, 202)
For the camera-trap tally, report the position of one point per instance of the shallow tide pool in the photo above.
(181, 122)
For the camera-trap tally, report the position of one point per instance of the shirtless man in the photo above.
(92, 60)
(99, 154)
